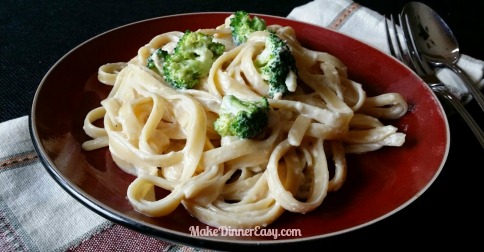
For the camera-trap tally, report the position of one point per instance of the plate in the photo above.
(379, 183)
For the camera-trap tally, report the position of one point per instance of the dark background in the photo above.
(34, 35)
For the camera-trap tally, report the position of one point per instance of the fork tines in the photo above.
(402, 46)
(398, 49)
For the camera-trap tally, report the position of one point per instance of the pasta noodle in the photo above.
(165, 137)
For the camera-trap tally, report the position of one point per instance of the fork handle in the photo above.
(470, 84)
(455, 102)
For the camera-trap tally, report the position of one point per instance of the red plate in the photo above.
(379, 183)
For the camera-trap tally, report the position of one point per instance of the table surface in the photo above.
(35, 34)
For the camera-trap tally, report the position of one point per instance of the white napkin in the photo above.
(366, 25)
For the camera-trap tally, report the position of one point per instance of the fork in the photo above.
(406, 52)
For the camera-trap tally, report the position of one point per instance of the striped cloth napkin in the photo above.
(37, 215)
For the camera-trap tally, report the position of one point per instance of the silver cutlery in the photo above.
(406, 52)
(436, 43)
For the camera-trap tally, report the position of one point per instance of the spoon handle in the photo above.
(470, 84)
(459, 107)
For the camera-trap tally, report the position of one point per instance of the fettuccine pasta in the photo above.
(166, 139)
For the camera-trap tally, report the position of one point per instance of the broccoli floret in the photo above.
(245, 119)
(242, 25)
(276, 64)
(156, 59)
(191, 59)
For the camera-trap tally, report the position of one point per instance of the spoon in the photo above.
(411, 58)
(437, 44)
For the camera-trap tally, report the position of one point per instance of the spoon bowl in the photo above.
(434, 38)
(437, 44)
